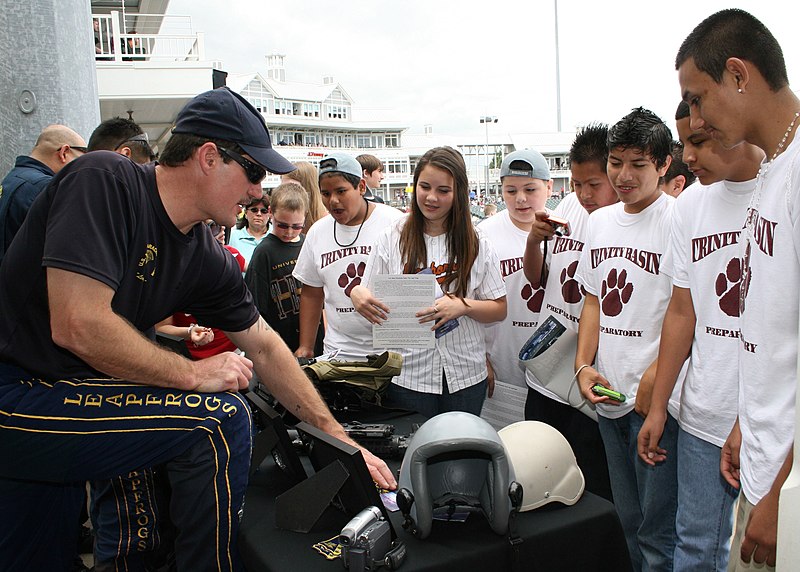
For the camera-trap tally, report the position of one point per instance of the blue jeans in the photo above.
(645, 497)
(469, 399)
(704, 522)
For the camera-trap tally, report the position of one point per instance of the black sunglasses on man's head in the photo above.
(143, 140)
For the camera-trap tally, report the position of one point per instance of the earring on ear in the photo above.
(740, 90)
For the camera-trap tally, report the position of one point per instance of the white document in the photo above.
(405, 294)
(506, 406)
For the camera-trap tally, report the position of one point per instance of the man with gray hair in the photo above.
(56, 146)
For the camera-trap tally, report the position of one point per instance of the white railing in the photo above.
(146, 37)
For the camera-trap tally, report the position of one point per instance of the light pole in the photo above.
(558, 73)
(486, 120)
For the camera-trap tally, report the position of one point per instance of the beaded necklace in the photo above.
(366, 214)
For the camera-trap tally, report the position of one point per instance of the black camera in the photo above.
(366, 540)
(560, 225)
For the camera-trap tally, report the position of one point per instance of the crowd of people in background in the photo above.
(664, 260)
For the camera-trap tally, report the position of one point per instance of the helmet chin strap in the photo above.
(405, 500)
(514, 539)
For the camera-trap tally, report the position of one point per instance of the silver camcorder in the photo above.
(365, 540)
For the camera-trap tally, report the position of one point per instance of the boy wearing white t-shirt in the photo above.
(732, 74)
(526, 184)
(563, 296)
(620, 325)
(333, 258)
(702, 320)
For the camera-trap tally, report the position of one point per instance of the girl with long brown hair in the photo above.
(438, 234)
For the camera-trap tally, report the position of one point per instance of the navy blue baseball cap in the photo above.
(224, 114)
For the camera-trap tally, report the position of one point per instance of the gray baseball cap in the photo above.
(529, 163)
(340, 163)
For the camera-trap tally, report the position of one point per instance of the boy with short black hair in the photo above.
(563, 296)
(620, 326)
(269, 275)
(702, 321)
(732, 74)
(678, 176)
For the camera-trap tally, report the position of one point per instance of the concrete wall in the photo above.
(46, 49)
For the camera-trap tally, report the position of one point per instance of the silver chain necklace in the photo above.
(755, 200)
(762, 174)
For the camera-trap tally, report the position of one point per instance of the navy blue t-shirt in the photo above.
(102, 217)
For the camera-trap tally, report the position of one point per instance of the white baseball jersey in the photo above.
(461, 353)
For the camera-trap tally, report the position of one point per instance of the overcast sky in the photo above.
(447, 63)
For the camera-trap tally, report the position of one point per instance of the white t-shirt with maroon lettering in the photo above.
(324, 263)
(563, 295)
(704, 256)
(769, 324)
(620, 264)
(505, 339)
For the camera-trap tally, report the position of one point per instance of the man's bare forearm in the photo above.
(278, 369)
(83, 323)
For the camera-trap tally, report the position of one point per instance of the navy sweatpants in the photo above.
(130, 515)
(56, 436)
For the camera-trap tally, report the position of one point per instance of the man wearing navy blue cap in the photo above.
(109, 250)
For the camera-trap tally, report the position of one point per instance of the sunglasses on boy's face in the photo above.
(255, 173)
(256, 210)
(287, 226)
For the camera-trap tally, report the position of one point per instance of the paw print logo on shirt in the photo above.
(533, 299)
(571, 290)
(615, 292)
(351, 277)
(727, 285)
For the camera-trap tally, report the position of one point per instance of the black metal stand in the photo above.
(299, 508)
